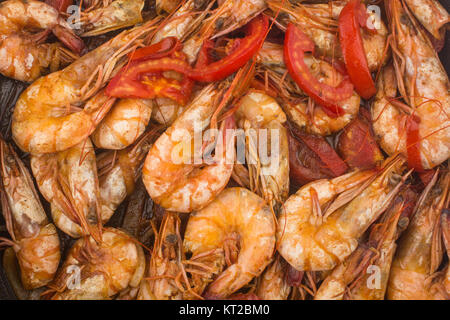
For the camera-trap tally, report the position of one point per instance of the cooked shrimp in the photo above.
(242, 225)
(319, 22)
(273, 285)
(311, 241)
(69, 181)
(23, 56)
(166, 111)
(44, 120)
(170, 174)
(119, 172)
(183, 24)
(431, 14)
(352, 279)
(125, 123)
(417, 257)
(423, 84)
(180, 23)
(304, 113)
(164, 271)
(12, 271)
(34, 238)
(233, 14)
(100, 270)
(129, 117)
(167, 5)
(262, 120)
(116, 14)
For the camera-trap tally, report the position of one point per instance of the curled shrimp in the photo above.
(352, 278)
(103, 269)
(69, 181)
(418, 255)
(431, 14)
(34, 238)
(99, 18)
(302, 111)
(125, 122)
(319, 21)
(311, 238)
(170, 174)
(241, 224)
(23, 56)
(47, 117)
(423, 84)
(12, 271)
(261, 117)
(272, 284)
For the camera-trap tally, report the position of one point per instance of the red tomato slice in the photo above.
(353, 49)
(245, 49)
(296, 43)
(164, 48)
(312, 158)
(357, 145)
(144, 79)
(413, 143)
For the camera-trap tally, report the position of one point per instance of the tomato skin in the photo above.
(413, 143)
(143, 78)
(60, 5)
(312, 158)
(409, 198)
(165, 56)
(296, 43)
(426, 176)
(244, 50)
(325, 152)
(357, 145)
(353, 49)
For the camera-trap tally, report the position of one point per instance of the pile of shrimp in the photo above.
(225, 149)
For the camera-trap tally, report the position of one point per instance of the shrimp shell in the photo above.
(239, 214)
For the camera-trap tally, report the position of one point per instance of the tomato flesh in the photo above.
(413, 143)
(244, 49)
(295, 45)
(353, 49)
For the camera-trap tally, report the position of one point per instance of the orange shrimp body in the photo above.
(237, 214)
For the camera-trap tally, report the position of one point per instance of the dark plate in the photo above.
(13, 88)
